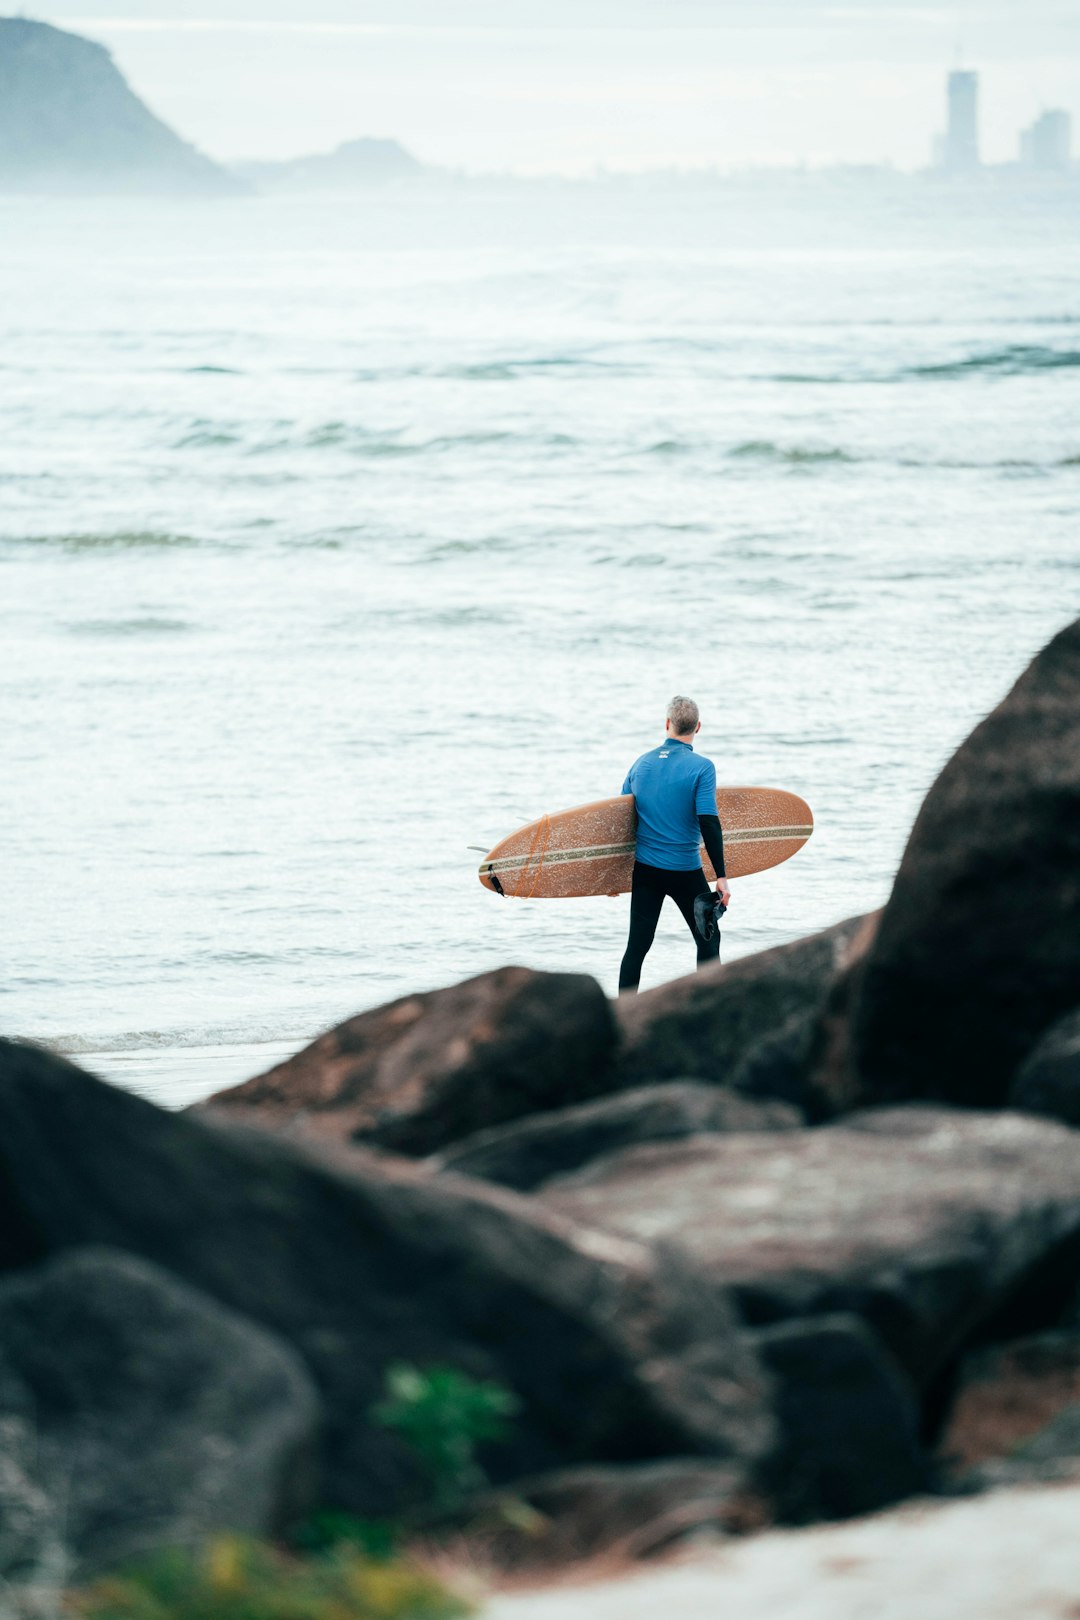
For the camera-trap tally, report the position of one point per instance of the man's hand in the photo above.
(723, 890)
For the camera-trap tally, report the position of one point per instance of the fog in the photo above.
(567, 89)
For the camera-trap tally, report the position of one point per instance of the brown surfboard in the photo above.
(590, 850)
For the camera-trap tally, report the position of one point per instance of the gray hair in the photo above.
(684, 715)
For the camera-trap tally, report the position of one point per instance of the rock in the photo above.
(1051, 1455)
(69, 120)
(978, 951)
(613, 1351)
(1048, 1081)
(706, 1025)
(427, 1069)
(635, 1510)
(529, 1151)
(849, 1422)
(32, 1551)
(158, 1417)
(1016, 1413)
(925, 1222)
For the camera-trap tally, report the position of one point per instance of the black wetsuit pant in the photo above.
(651, 886)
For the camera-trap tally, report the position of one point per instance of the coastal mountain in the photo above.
(352, 165)
(70, 122)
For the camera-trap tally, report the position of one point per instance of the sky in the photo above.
(570, 86)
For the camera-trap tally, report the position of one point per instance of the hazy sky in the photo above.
(572, 84)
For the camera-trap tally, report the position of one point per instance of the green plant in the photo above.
(328, 1528)
(236, 1579)
(444, 1416)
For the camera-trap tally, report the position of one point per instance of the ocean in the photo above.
(338, 537)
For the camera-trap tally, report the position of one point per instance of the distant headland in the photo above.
(69, 121)
(354, 163)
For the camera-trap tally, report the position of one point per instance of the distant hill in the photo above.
(69, 122)
(352, 165)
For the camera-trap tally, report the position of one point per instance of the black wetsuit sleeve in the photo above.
(712, 836)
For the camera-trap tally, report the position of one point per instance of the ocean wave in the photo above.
(146, 626)
(120, 540)
(796, 455)
(163, 1040)
(1010, 360)
(206, 439)
(511, 368)
(1014, 360)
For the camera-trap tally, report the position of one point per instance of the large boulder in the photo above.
(1048, 1080)
(849, 1422)
(707, 1026)
(978, 951)
(157, 1416)
(429, 1068)
(612, 1350)
(530, 1151)
(925, 1222)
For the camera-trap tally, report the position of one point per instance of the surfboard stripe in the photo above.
(593, 852)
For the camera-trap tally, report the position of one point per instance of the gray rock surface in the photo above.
(152, 1416)
(922, 1221)
(529, 1151)
(706, 1025)
(1048, 1081)
(978, 951)
(32, 1550)
(425, 1070)
(615, 1352)
(68, 120)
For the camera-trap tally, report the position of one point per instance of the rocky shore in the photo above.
(784, 1242)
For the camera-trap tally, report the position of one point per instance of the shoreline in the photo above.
(178, 1076)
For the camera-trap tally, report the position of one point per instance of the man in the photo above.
(675, 793)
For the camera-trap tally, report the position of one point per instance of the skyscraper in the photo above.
(1047, 144)
(960, 148)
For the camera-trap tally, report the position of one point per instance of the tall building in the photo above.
(1048, 143)
(960, 148)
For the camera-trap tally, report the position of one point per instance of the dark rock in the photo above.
(68, 120)
(706, 1025)
(849, 1421)
(978, 951)
(611, 1513)
(158, 1417)
(925, 1222)
(1016, 1413)
(32, 1550)
(1048, 1081)
(529, 1151)
(424, 1070)
(613, 1352)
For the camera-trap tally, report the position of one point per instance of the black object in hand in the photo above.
(708, 909)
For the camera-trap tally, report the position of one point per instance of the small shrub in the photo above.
(328, 1528)
(444, 1415)
(236, 1579)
